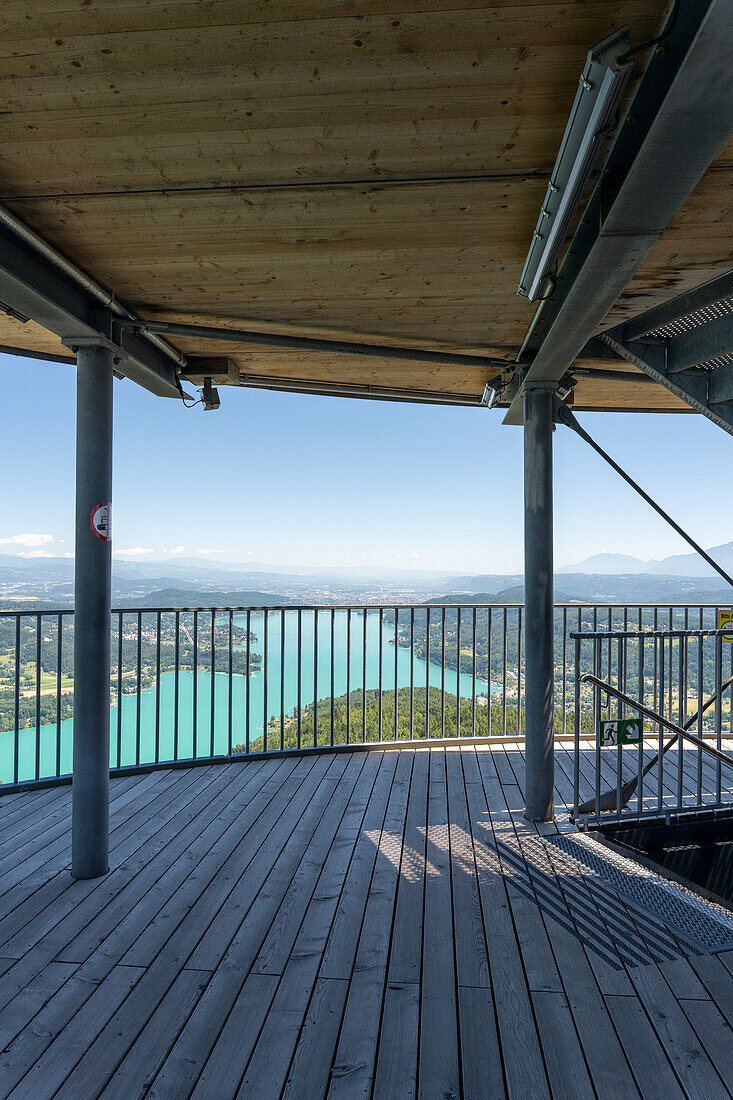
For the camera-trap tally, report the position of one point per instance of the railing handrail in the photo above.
(405, 606)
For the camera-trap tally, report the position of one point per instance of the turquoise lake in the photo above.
(281, 682)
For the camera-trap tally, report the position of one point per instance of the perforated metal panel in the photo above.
(694, 319)
(704, 923)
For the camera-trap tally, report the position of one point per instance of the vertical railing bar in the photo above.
(660, 731)
(59, 657)
(176, 682)
(730, 691)
(212, 722)
(300, 671)
(315, 678)
(195, 686)
(670, 679)
(333, 668)
(230, 700)
(265, 647)
(396, 670)
(640, 750)
(381, 645)
(625, 652)
(364, 675)
(519, 671)
(442, 675)
(39, 628)
(503, 675)
(609, 628)
(626, 646)
(681, 643)
(16, 741)
(686, 679)
(412, 673)
(138, 730)
(248, 671)
(473, 675)
(348, 676)
(718, 712)
(458, 672)
(700, 695)
(157, 685)
(490, 695)
(687, 662)
(282, 678)
(119, 691)
(578, 668)
(578, 723)
(655, 681)
(597, 659)
(564, 666)
(427, 673)
(619, 714)
(640, 685)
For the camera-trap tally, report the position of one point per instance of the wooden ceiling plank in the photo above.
(105, 16)
(420, 32)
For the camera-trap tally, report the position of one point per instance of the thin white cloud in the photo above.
(134, 551)
(26, 539)
(176, 550)
(414, 554)
(250, 553)
(34, 554)
(209, 551)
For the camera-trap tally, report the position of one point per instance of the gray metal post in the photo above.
(538, 601)
(92, 598)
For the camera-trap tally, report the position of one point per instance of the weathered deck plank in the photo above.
(384, 925)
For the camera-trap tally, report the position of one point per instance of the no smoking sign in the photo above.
(99, 520)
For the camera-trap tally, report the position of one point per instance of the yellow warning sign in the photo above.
(725, 622)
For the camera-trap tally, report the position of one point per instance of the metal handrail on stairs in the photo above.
(680, 663)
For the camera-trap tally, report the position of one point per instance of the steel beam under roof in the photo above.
(687, 346)
(681, 115)
(312, 343)
(35, 287)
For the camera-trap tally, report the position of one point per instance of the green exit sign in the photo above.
(622, 731)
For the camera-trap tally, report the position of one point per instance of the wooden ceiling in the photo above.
(371, 171)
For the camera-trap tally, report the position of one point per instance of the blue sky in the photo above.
(289, 479)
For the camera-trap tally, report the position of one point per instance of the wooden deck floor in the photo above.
(347, 925)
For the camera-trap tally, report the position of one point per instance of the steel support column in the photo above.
(92, 603)
(538, 601)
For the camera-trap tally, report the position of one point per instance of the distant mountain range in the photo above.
(588, 588)
(677, 565)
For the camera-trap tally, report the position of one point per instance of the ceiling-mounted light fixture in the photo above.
(596, 101)
(493, 390)
(210, 396)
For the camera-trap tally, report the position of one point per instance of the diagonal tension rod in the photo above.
(564, 416)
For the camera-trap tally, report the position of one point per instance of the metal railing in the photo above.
(677, 682)
(193, 684)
